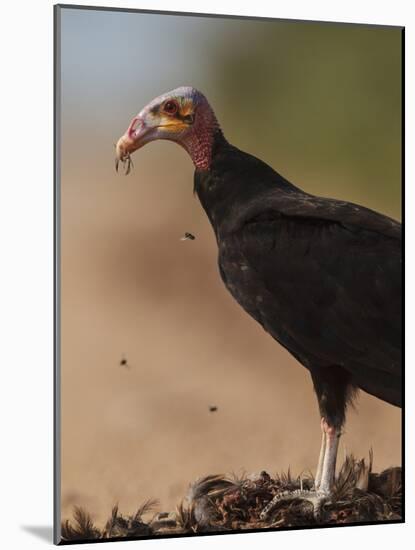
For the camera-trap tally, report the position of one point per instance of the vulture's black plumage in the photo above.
(322, 276)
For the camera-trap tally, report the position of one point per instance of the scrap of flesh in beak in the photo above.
(122, 154)
(125, 146)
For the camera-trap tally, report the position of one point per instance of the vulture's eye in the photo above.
(170, 107)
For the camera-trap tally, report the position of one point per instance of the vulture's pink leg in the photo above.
(324, 480)
(330, 456)
(319, 471)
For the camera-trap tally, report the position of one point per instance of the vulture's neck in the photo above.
(202, 141)
(233, 181)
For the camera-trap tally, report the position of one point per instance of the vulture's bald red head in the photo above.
(182, 115)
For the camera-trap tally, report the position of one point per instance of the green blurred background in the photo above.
(319, 102)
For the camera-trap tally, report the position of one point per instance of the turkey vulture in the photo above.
(322, 276)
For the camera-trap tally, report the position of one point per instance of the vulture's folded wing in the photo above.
(331, 272)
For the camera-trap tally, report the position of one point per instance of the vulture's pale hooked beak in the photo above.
(133, 139)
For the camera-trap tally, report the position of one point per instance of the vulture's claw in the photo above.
(316, 498)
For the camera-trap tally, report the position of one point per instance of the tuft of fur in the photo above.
(81, 527)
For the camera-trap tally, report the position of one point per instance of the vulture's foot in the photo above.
(316, 498)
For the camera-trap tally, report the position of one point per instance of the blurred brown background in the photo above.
(319, 102)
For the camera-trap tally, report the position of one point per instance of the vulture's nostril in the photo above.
(135, 124)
